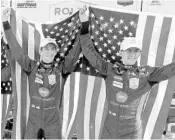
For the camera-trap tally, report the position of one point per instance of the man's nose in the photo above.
(51, 53)
(132, 54)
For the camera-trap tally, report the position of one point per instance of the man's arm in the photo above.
(91, 54)
(159, 74)
(16, 51)
(72, 57)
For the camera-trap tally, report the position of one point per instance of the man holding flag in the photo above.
(125, 83)
(45, 78)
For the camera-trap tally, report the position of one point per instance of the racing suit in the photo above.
(125, 85)
(44, 117)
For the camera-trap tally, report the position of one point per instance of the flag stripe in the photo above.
(154, 43)
(101, 110)
(147, 39)
(8, 101)
(24, 79)
(31, 46)
(88, 99)
(73, 130)
(37, 38)
(95, 96)
(18, 80)
(72, 104)
(81, 105)
(72, 92)
(140, 29)
(163, 40)
(76, 98)
(66, 100)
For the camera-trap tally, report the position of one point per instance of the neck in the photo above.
(131, 65)
(46, 65)
(125, 66)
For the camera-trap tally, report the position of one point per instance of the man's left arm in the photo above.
(159, 74)
(72, 57)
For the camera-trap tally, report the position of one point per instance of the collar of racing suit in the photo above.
(47, 65)
(122, 68)
(43, 67)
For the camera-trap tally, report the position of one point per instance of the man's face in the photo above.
(48, 52)
(130, 56)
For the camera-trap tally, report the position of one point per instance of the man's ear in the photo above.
(139, 54)
(40, 50)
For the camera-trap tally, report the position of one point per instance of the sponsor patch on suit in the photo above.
(52, 79)
(38, 80)
(117, 84)
(133, 83)
(118, 78)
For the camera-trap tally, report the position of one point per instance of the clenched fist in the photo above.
(5, 14)
(83, 14)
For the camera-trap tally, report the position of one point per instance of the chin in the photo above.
(130, 63)
(48, 61)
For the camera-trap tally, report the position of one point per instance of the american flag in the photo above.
(108, 27)
(84, 100)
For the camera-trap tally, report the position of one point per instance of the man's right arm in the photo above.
(91, 54)
(16, 51)
(5, 73)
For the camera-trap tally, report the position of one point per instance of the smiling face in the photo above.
(48, 52)
(130, 56)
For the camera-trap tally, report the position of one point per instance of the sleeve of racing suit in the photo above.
(91, 54)
(159, 74)
(5, 73)
(72, 57)
(155, 75)
(24, 61)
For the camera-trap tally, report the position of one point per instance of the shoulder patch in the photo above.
(118, 78)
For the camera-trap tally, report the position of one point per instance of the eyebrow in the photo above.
(131, 49)
(51, 47)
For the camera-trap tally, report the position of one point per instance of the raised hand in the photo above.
(84, 14)
(5, 14)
